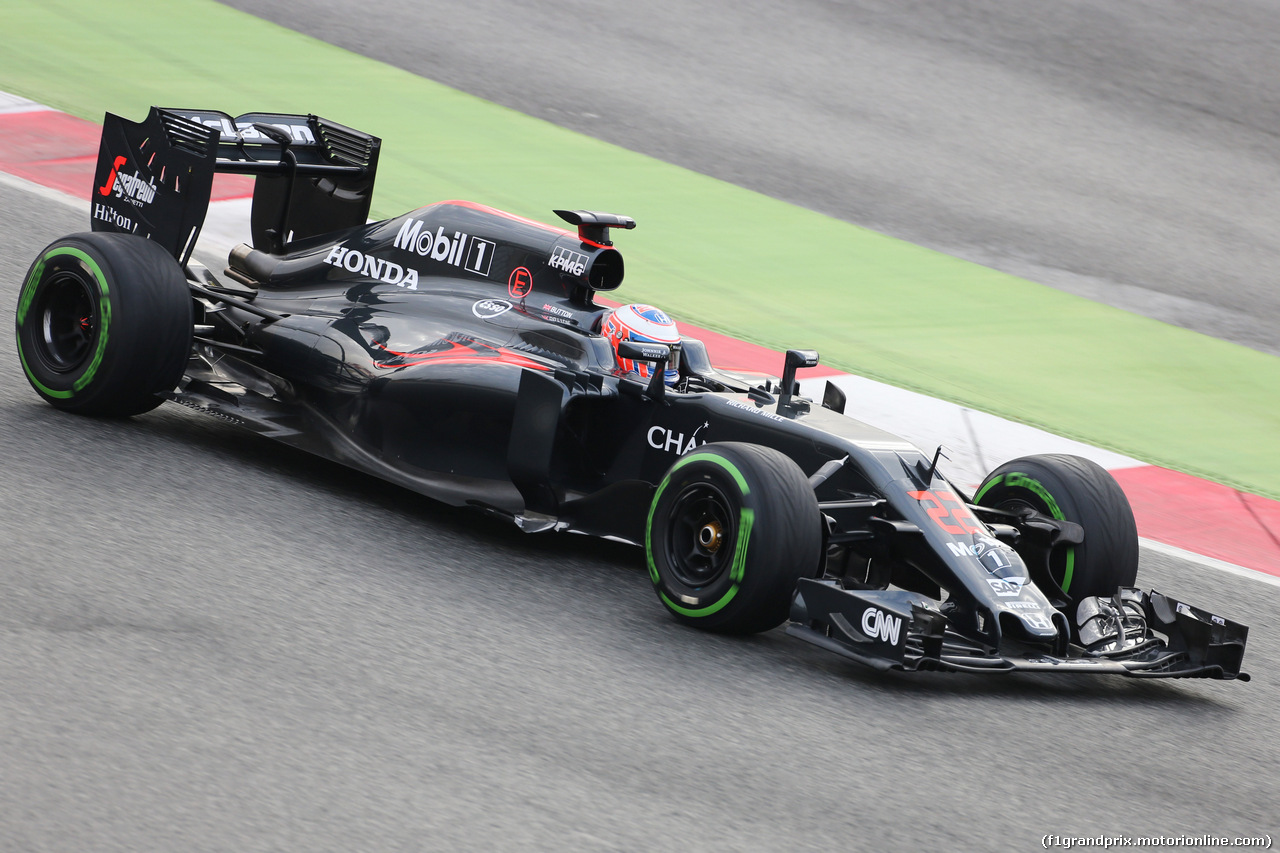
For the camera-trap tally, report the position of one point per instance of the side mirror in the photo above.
(833, 398)
(796, 358)
(656, 354)
(641, 351)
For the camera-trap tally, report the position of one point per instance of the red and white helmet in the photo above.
(645, 324)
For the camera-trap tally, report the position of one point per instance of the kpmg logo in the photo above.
(567, 260)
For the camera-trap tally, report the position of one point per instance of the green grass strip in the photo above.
(708, 252)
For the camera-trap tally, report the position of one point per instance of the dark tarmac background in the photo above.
(212, 642)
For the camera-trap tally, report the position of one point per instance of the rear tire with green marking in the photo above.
(731, 529)
(104, 324)
(1074, 489)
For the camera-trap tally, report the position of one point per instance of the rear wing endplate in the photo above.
(155, 177)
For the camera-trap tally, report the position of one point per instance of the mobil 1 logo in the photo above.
(474, 254)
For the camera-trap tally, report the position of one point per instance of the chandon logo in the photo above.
(877, 623)
(471, 253)
(661, 438)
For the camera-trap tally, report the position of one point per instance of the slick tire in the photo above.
(731, 529)
(104, 324)
(1074, 489)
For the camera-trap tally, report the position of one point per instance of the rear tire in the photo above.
(731, 529)
(1073, 489)
(104, 324)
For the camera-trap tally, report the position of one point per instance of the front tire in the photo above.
(731, 529)
(104, 324)
(1074, 489)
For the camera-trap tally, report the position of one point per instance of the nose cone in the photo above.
(1037, 624)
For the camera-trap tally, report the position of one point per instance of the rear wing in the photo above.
(155, 177)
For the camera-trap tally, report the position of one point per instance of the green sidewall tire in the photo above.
(771, 537)
(1079, 490)
(135, 337)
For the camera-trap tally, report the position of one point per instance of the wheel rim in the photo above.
(67, 316)
(700, 535)
(1061, 561)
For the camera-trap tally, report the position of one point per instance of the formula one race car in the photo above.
(458, 351)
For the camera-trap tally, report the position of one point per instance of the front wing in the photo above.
(1135, 633)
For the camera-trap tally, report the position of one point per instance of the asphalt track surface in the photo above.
(1122, 151)
(211, 642)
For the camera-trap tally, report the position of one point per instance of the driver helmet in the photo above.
(645, 324)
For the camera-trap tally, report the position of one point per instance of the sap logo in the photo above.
(661, 438)
(1006, 587)
(471, 253)
(375, 268)
(567, 260)
(877, 623)
(131, 188)
(110, 216)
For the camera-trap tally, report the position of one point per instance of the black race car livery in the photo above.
(455, 350)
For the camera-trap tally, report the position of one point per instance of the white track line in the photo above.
(18, 104)
(1209, 562)
(14, 182)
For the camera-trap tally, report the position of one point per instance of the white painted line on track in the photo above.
(226, 226)
(973, 442)
(14, 182)
(18, 104)
(1209, 562)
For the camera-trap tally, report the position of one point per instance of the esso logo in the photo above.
(487, 309)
